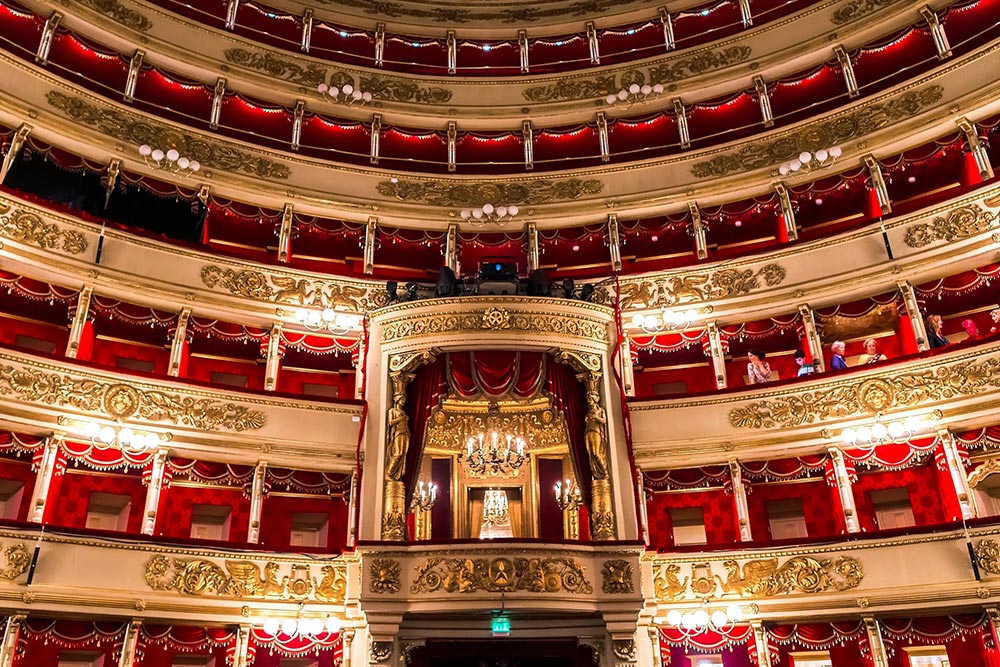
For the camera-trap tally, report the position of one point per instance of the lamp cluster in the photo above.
(424, 497)
(305, 627)
(807, 161)
(880, 432)
(568, 496)
(490, 213)
(703, 619)
(347, 94)
(667, 320)
(327, 319)
(493, 455)
(119, 436)
(169, 160)
(635, 93)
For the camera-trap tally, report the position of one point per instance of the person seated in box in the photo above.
(871, 355)
(800, 361)
(838, 362)
(758, 370)
(935, 333)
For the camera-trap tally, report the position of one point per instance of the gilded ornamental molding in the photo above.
(836, 130)
(958, 224)
(988, 555)
(496, 575)
(857, 9)
(29, 228)
(617, 576)
(570, 88)
(384, 576)
(437, 13)
(119, 13)
(242, 579)
(310, 75)
(498, 319)
(292, 290)
(871, 395)
(18, 561)
(656, 291)
(124, 401)
(136, 129)
(474, 193)
(758, 578)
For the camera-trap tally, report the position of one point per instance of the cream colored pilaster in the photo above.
(740, 501)
(718, 356)
(9, 647)
(273, 364)
(451, 247)
(625, 367)
(534, 249)
(127, 658)
(16, 144)
(370, 241)
(875, 643)
(975, 146)
(79, 322)
(913, 310)
(847, 67)
(359, 371)
(285, 233)
(153, 491)
(878, 184)
(614, 242)
(957, 472)
(844, 490)
(256, 502)
(43, 480)
(937, 32)
(528, 139)
(375, 145)
(760, 644)
(177, 344)
(812, 335)
(243, 645)
(48, 34)
(787, 211)
(698, 230)
(217, 98)
(654, 642)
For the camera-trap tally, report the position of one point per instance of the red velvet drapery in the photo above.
(569, 397)
(496, 375)
(423, 394)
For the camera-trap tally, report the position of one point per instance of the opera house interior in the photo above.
(571, 333)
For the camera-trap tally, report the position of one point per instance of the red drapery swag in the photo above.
(496, 375)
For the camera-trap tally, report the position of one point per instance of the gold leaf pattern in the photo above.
(468, 575)
(857, 9)
(722, 284)
(961, 223)
(29, 228)
(119, 13)
(304, 292)
(460, 193)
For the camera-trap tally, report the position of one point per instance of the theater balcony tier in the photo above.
(694, 72)
(885, 123)
(43, 395)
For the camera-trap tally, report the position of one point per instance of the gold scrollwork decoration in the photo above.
(305, 292)
(534, 322)
(667, 584)
(617, 575)
(516, 14)
(452, 193)
(624, 649)
(722, 284)
(500, 575)
(242, 579)
(384, 576)
(18, 561)
(857, 9)
(966, 378)
(959, 224)
(29, 228)
(381, 652)
(120, 401)
(572, 88)
(119, 13)
(134, 129)
(990, 466)
(988, 556)
(495, 318)
(836, 130)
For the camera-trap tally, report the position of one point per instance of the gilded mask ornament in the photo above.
(499, 575)
(617, 576)
(384, 576)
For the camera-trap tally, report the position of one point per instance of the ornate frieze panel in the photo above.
(474, 193)
(384, 576)
(617, 576)
(857, 9)
(659, 291)
(496, 575)
(468, 14)
(135, 129)
(958, 224)
(119, 13)
(571, 88)
(310, 75)
(758, 578)
(836, 130)
(867, 396)
(29, 228)
(292, 290)
(18, 560)
(120, 400)
(244, 579)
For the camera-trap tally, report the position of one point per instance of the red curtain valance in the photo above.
(893, 456)
(208, 328)
(685, 478)
(210, 472)
(858, 308)
(35, 290)
(668, 342)
(780, 469)
(298, 645)
(132, 313)
(932, 630)
(104, 458)
(960, 283)
(706, 641)
(308, 481)
(495, 375)
(321, 345)
(72, 634)
(816, 636)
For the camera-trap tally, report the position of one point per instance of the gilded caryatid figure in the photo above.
(596, 437)
(397, 442)
(399, 439)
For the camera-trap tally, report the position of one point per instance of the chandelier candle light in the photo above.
(328, 319)
(501, 213)
(494, 455)
(703, 619)
(347, 94)
(880, 432)
(302, 626)
(169, 160)
(119, 436)
(667, 321)
(807, 161)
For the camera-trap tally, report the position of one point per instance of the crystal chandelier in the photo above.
(881, 432)
(327, 319)
(568, 496)
(807, 161)
(120, 437)
(496, 510)
(493, 454)
(703, 619)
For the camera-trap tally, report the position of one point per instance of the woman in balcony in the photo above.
(871, 355)
(838, 362)
(935, 335)
(758, 370)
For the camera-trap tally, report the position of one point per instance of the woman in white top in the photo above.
(758, 370)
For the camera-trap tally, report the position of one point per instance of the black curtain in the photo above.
(34, 175)
(171, 216)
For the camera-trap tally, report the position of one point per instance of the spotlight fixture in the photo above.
(327, 320)
(807, 162)
(497, 213)
(635, 93)
(346, 94)
(168, 160)
(119, 436)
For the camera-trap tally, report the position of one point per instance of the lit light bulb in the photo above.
(623, 95)
(466, 213)
(328, 314)
(501, 211)
(172, 155)
(488, 209)
(634, 88)
(734, 612)
(674, 617)
(302, 315)
(879, 431)
(647, 89)
(126, 435)
(183, 163)
(314, 318)
(271, 626)
(795, 165)
(194, 165)
(289, 626)
(348, 89)
(367, 97)
(719, 619)
(805, 157)
(835, 152)
(157, 155)
(611, 99)
(687, 621)
(850, 436)
(864, 434)
(701, 617)
(145, 150)
(895, 430)
(637, 321)
(822, 155)
(658, 88)
(322, 88)
(333, 625)
(91, 430)
(334, 92)
(107, 435)
(512, 210)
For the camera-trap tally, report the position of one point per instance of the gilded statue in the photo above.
(595, 437)
(399, 432)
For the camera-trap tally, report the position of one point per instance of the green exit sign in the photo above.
(501, 625)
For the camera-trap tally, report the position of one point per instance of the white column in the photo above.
(285, 233)
(127, 658)
(957, 471)
(273, 364)
(528, 138)
(153, 491)
(43, 480)
(177, 344)
(718, 357)
(760, 644)
(256, 502)
(654, 641)
(698, 230)
(9, 647)
(974, 144)
(79, 321)
(913, 310)
(740, 501)
(680, 115)
(348, 645)
(370, 240)
(812, 335)
(879, 657)
(844, 490)
(352, 512)
(452, 45)
(522, 47)
(379, 44)
(625, 367)
(242, 646)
